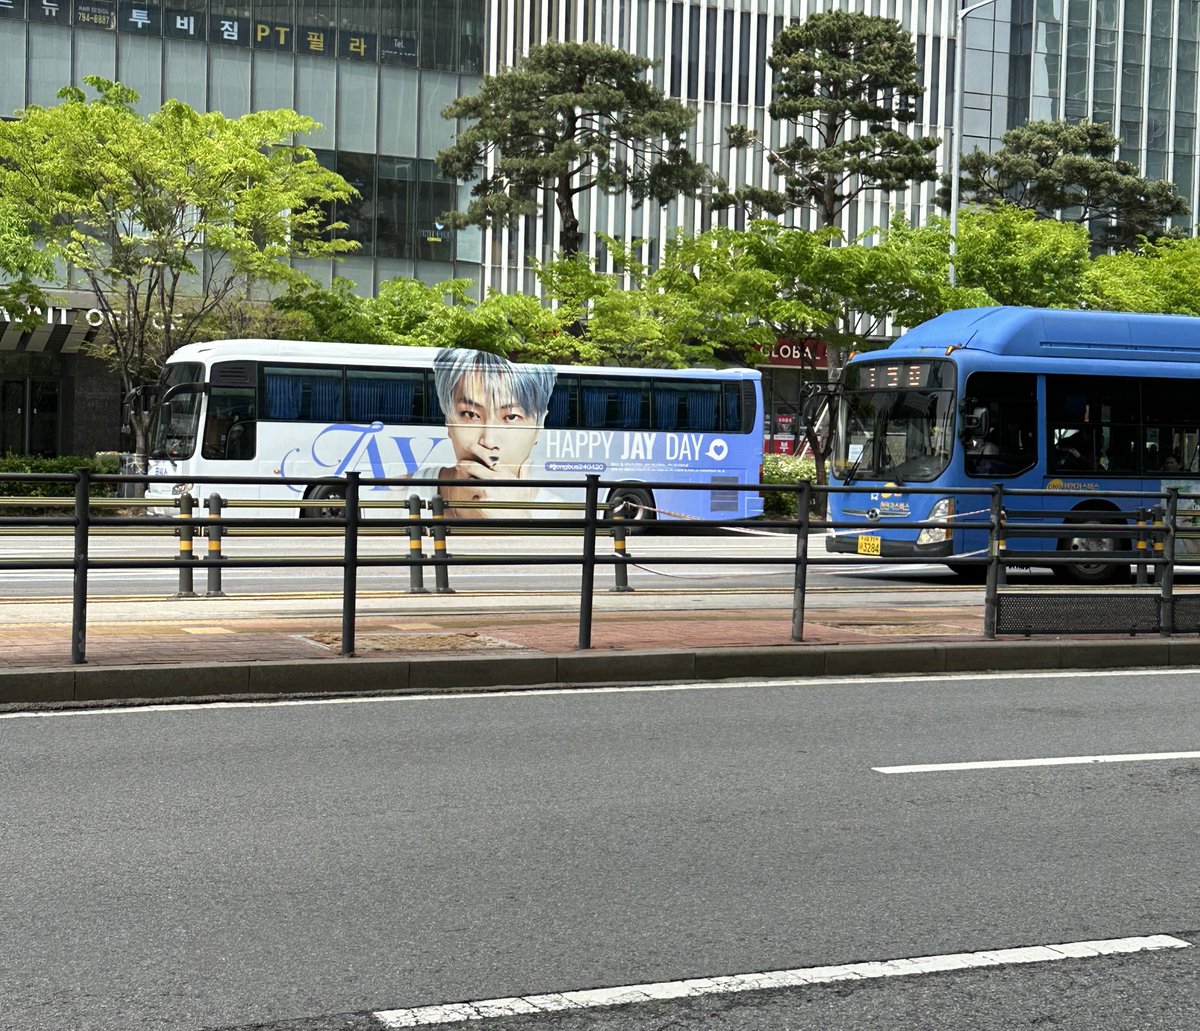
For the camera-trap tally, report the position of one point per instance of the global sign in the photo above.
(809, 354)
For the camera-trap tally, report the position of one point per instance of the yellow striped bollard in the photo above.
(620, 569)
(214, 547)
(187, 556)
(441, 571)
(416, 557)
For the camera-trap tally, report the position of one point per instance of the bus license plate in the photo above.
(869, 545)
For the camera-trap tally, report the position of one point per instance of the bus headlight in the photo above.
(941, 512)
(181, 488)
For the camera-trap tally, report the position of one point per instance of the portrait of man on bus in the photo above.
(495, 412)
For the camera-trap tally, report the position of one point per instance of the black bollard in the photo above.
(441, 571)
(416, 557)
(187, 534)
(214, 547)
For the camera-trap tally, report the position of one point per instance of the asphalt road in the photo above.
(306, 866)
(752, 561)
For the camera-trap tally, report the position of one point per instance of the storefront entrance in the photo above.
(29, 416)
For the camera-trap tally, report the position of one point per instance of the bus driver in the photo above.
(495, 411)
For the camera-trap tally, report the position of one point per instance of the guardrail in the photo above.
(1152, 606)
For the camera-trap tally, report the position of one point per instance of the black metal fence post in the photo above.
(995, 567)
(350, 564)
(441, 571)
(416, 557)
(1166, 605)
(591, 526)
(214, 547)
(83, 491)
(800, 580)
(187, 555)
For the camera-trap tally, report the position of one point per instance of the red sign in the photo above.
(799, 353)
(779, 446)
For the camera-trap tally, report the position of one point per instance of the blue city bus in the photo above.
(1084, 402)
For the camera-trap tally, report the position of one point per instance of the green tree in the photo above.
(335, 312)
(162, 216)
(1070, 172)
(408, 311)
(836, 72)
(570, 118)
(23, 266)
(1159, 277)
(1005, 255)
(702, 306)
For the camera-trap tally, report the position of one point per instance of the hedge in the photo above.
(784, 469)
(9, 463)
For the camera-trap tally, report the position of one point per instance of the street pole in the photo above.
(960, 54)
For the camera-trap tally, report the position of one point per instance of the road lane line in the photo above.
(452, 1013)
(629, 688)
(1058, 760)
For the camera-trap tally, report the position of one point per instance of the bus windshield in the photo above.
(895, 421)
(177, 418)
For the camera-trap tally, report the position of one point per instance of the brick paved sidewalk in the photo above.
(267, 638)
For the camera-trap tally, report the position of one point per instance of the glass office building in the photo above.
(377, 74)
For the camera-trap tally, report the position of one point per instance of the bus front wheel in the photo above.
(630, 503)
(326, 492)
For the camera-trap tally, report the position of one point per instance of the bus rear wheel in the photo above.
(326, 492)
(630, 503)
(1092, 572)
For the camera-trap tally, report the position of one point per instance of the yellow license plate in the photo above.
(869, 545)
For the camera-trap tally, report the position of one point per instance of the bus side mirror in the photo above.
(975, 422)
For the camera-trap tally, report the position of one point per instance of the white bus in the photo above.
(293, 410)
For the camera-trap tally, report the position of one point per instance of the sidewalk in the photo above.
(146, 632)
(209, 647)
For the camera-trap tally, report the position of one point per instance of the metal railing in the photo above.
(1151, 530)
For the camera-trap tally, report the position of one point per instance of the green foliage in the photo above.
(519, 327)
(163, 216)
(10, 463)
(335, 312)
(1159, 277)
(849, 83)
(569, 119)
(1006, 255)
(1069, 171)
(786, 469)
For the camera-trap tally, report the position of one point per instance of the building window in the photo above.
(396, 196)
(359, 212)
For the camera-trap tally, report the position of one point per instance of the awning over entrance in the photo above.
(62, 330)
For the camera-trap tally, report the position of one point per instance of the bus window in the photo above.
(306, 394)
(1094, 424)
(999, 429)
(390, 396)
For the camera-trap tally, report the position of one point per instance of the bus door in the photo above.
(999, 434)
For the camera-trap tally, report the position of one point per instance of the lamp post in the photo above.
(956, 135)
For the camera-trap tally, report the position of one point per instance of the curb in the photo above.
(468, 673)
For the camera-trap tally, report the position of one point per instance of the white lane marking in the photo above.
(455, 1012)
(536, 692)
(1058, 760)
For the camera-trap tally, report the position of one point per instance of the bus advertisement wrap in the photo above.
(294, 410)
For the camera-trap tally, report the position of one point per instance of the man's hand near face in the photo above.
(478, 465)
